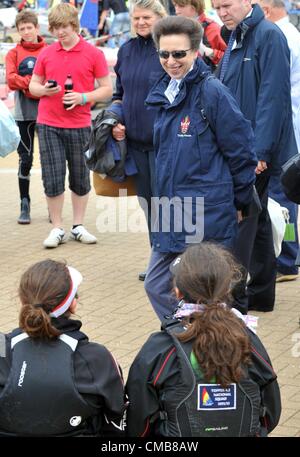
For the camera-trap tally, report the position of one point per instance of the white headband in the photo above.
(76, 279)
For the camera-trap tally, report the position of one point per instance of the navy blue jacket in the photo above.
(258, 75)
(137, 69)
(204, 149)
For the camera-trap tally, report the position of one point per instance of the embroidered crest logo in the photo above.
(184, 124)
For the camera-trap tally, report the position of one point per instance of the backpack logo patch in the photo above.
(212, 397)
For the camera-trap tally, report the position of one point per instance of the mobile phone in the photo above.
(52, 82)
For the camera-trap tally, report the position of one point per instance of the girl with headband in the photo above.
(206, 373)
(53, 380)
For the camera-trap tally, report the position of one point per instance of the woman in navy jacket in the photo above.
(137, 69)
(204, 158)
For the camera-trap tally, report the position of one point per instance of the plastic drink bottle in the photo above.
(68, 88)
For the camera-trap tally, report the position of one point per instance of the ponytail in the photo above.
(36, 322)
(221, 344)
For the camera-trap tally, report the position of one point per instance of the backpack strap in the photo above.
(71, 342)
(174, 327)
(203, 111)
(2, 345)
(206, 59)
(16, 339)
(206, 23)
(68, 340)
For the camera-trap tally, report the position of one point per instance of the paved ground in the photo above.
(114, 308)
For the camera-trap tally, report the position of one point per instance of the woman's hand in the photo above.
(261, 167)
(239, 216)
(118, 132)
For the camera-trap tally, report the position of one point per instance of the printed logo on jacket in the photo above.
(184, 127)
(212, 397)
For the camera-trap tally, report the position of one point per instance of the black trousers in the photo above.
(255, 251)
(144, 157)
(25, 151)
(25, 148)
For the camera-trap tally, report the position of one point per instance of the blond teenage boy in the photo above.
(63, 133)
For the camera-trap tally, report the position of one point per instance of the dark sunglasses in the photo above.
(175, 54)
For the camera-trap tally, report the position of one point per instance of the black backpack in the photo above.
(210, 410)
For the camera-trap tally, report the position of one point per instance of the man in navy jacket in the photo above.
(258, 74)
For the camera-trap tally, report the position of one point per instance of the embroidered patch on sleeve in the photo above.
(212, 397)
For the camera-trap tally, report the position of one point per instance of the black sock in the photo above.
(74, 226)
(24, 188)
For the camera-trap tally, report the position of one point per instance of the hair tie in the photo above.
(38, 305)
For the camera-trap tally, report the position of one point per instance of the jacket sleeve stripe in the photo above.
(163, 365)
(146, 429)
(261, 357)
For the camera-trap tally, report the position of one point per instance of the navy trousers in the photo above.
(159, 284)
(159, 281)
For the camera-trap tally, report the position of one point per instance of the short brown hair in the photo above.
(177, 25)
(63, 15)
(199, 5)
(28, 16)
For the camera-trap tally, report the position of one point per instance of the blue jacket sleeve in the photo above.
(234, 136)
(118, 93)
(274, 93)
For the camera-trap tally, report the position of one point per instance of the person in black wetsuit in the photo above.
(53, 380)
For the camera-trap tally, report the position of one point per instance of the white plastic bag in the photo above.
(9, 131)
(279, 216)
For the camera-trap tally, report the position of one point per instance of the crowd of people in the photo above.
(209, 124)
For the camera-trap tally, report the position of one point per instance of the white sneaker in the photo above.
(81, 234)
(56, 236)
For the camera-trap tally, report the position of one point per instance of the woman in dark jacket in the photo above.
(207, 373)
(137, 70)
(53, 381)
(204, 156)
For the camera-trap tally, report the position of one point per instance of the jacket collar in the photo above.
(64, 325)
(69, 326)
(249, 23)
(144, 40)
(157, 96)
(33, 46)
(76, 48)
